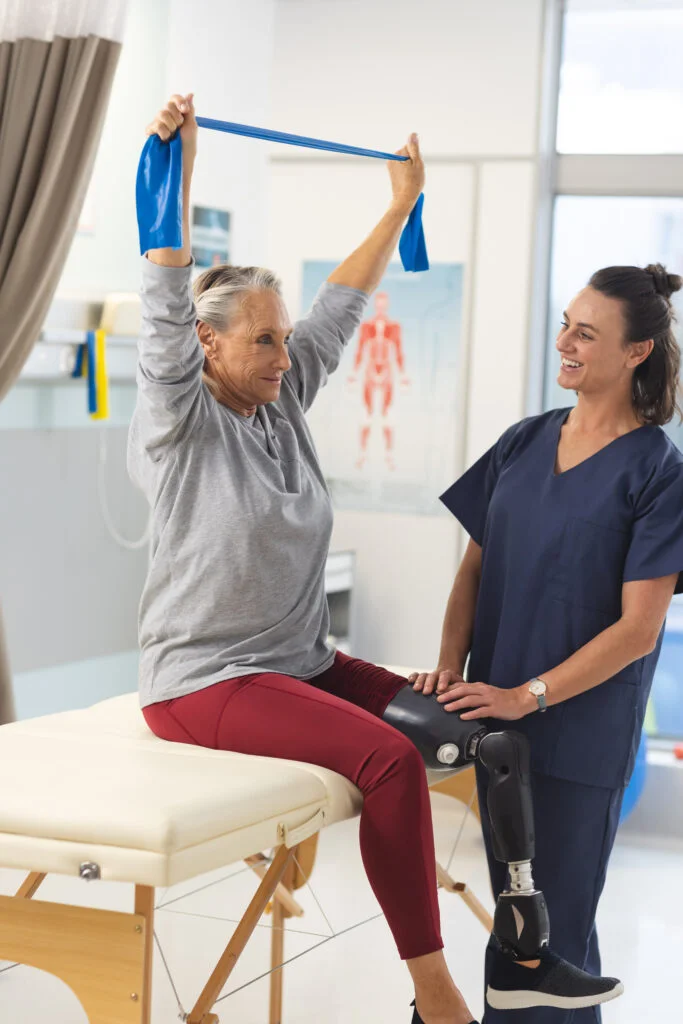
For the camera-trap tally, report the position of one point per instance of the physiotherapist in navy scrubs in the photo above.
(576, 526)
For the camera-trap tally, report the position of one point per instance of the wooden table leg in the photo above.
(29, 887)
(99, 954)
(241, 936)
(463, 890)
(280, 915)
(144, 905)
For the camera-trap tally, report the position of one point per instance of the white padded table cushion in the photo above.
(97, 785)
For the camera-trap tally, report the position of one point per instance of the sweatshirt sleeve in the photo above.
(319, 339)
(170, 399)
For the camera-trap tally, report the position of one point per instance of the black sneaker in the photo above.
(555, 982)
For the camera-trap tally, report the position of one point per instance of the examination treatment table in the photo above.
(93, 793)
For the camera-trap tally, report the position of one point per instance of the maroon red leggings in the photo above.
(334, 720)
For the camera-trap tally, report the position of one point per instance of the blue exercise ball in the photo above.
(635, 786)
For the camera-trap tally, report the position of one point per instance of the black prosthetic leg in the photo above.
(520, 922)
(449, 744)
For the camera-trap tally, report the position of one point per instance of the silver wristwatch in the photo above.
(539, 690)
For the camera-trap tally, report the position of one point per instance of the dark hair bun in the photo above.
(665, 284)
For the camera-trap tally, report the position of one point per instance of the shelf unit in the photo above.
(339, 580)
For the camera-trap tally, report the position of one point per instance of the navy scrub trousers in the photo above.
(573, 845)
(556, 552)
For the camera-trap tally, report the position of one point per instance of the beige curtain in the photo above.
(6, 697)
(54, 93)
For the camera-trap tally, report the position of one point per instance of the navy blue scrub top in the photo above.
(556, 549)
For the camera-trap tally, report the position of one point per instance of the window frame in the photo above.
(576, 174)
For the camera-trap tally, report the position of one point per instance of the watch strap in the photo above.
(540, 697)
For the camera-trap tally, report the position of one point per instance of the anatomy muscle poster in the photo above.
(385, 424)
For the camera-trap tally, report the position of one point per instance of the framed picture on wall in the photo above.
(386, 423)
(210, 236)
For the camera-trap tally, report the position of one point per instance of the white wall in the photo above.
(223, 51)
(466, 76)
(463, 73)
(403, 563)
(70, 595)
(220, 49)
(106, 259)
(69, 592)
(501, 295)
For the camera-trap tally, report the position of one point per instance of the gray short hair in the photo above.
(220, 289)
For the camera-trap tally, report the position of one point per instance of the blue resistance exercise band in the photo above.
(159, 188)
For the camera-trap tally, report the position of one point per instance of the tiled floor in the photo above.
(356, 977)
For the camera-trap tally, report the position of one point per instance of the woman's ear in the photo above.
(207, 338)
(639, 352)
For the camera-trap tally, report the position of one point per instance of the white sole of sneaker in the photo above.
(525, 1000)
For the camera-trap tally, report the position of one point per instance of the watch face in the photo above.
(537, 688)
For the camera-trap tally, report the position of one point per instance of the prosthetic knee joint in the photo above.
(448, 744)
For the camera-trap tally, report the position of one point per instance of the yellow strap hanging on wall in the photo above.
(101, 379)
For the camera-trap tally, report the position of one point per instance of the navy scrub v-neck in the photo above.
(556, 550)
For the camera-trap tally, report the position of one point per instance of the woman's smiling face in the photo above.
(596, 357)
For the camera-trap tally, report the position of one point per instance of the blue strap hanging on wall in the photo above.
(91, 369)
(159, 188)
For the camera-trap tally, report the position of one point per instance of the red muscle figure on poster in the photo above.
(380, 349)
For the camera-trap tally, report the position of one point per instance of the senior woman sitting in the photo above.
(234, 618)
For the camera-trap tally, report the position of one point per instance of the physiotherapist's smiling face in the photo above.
(595, 357)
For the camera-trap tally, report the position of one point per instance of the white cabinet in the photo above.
(339, 574)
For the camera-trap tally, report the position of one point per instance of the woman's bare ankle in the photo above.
(451, 1011)
(438, 999)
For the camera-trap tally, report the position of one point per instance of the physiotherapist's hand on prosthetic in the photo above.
(480, 700)
(458, 624)
(438, 681)
(633, 636)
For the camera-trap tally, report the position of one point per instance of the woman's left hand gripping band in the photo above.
(408, 177)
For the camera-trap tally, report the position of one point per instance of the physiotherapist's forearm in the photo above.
(365, 267)
(458, 625)
(599, 660)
